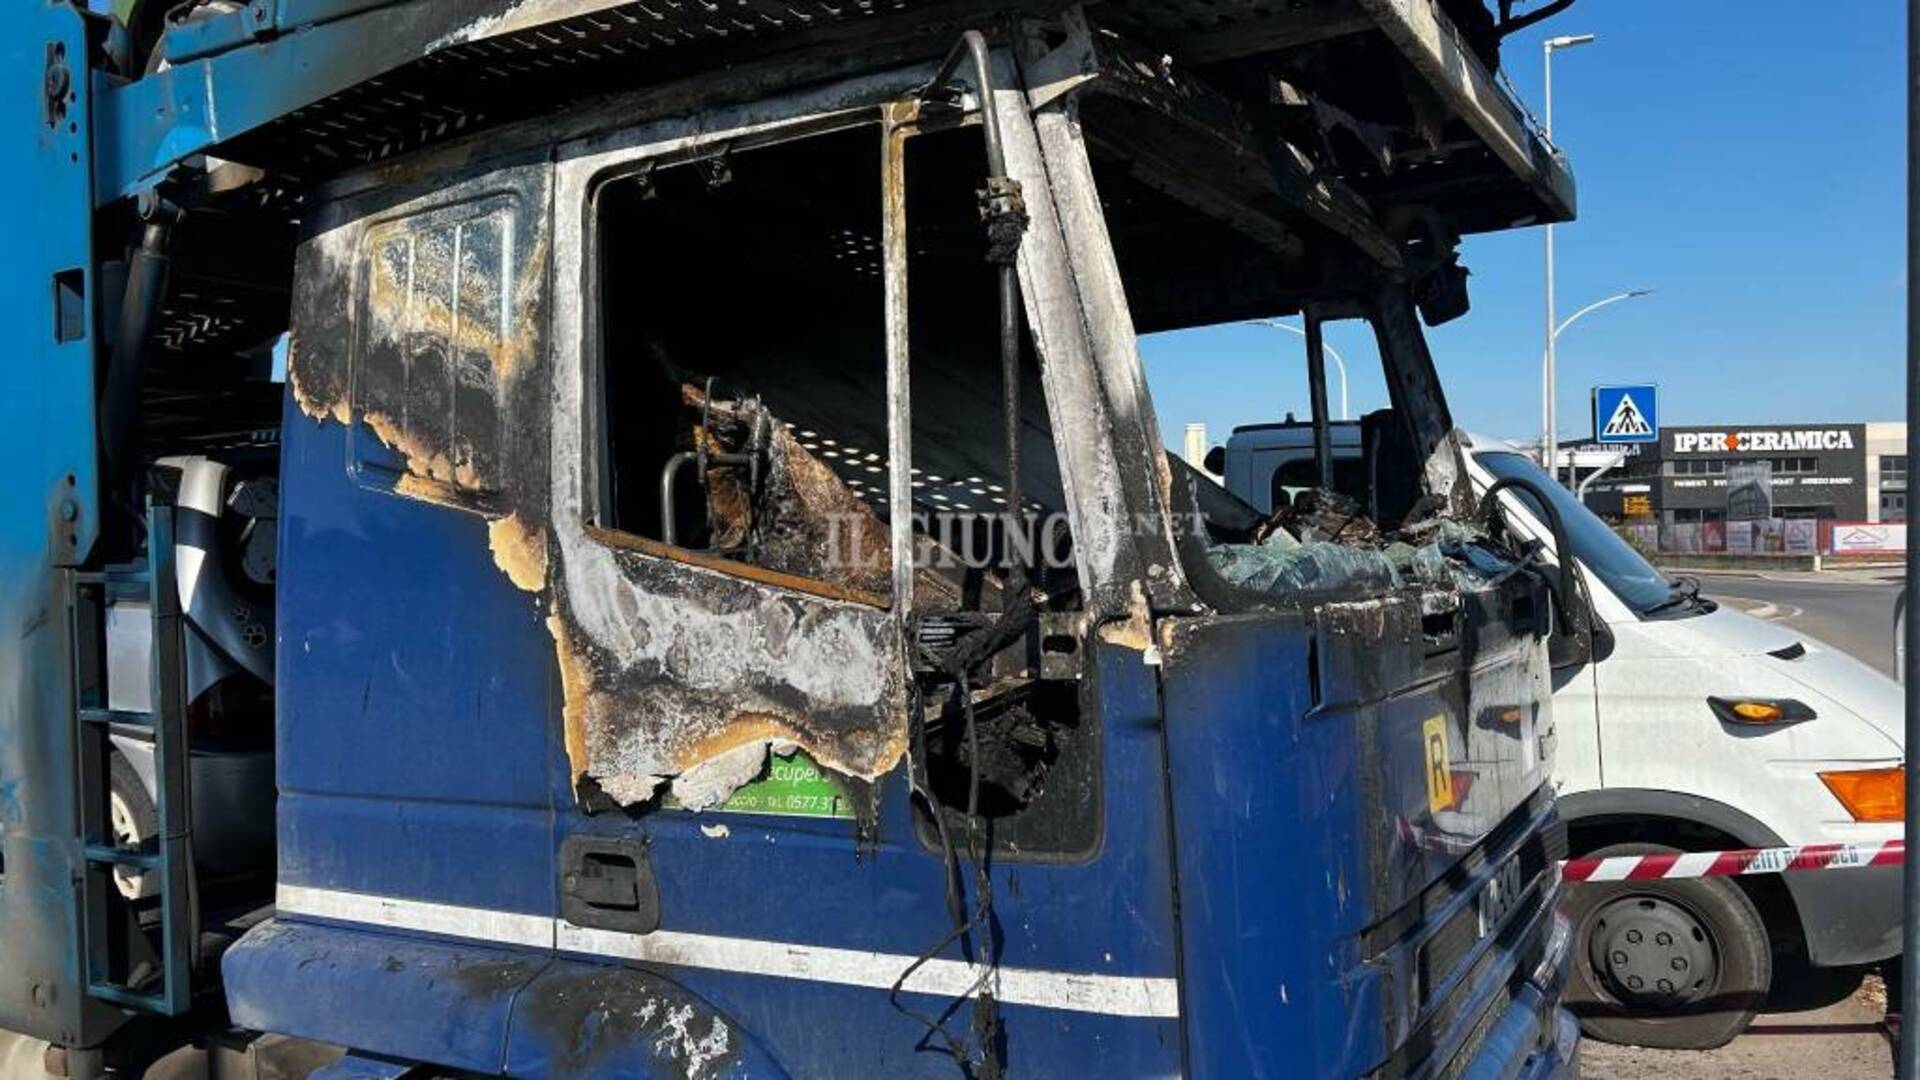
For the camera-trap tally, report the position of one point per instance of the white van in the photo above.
(1696, 727)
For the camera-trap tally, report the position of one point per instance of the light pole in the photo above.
(1597, 305)
(1553, 469)
(1338, 361)
(1549, 449)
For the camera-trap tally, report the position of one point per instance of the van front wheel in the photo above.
(1679, 965)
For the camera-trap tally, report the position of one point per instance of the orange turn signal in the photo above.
(1870, 794)
(1760, 712)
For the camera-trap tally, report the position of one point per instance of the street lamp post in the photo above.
(1597, 305)
(1552, 456)
(1549, 449)
(1338, 360)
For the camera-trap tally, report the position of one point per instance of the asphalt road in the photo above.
(1823, 1024)
(1851, 610)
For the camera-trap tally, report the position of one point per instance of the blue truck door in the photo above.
(416, 678)
(793, 924)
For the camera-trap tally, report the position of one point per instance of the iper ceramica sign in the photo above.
(1811, 470)
(1765, 440)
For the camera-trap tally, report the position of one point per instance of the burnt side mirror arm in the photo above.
(1570, 594)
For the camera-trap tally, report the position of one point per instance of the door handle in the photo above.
(608, 884)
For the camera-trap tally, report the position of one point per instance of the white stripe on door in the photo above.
(1087, 992)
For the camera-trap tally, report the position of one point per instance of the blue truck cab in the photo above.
(729, 608)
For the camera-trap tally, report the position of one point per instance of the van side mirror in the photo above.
(1216, 461)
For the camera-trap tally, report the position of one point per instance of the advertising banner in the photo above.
(1739, 537)
(1714, 536)
(1867, 538)
(1749, 490)
(1802, 536)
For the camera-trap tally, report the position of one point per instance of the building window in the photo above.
(1700, 467)
(1693, 516)
(1893, 471)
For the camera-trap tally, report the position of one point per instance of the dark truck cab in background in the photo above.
(731, 610)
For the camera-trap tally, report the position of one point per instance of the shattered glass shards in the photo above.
(1286, 565)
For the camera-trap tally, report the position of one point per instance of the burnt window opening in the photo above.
(1038, 761)
(1249, 257)
(741, 313)
(743, 359)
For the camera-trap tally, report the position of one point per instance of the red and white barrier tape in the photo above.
(1698, 864)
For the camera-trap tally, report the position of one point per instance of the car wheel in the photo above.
(131, 814)
(1679, 965)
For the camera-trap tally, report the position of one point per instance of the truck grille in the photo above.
(1440, 938)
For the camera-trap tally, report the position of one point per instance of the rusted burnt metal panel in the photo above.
(420, 327)
(1416, 392)
(1201, 32)
(1435, 50)
(680, 672)
(1249, 179)
(424, 326)
(388, 81)
(1096, 386)
(435, 346)
(578, 1019)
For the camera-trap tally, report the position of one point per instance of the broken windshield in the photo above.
(1599, 548)
(1202, 240)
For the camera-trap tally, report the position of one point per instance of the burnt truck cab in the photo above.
(735, 615)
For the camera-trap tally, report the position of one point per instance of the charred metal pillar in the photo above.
(1317, 391)
(893, 185)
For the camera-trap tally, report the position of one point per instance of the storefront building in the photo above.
(1755, 487)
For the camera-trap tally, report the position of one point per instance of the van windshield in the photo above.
(1600, 549)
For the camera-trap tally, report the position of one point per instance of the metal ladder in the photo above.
(111, 949)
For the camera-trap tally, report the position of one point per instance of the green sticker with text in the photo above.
(793, 786)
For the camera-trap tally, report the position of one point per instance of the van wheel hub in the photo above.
(1651, 951)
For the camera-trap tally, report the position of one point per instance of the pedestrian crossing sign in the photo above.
(1625, 414)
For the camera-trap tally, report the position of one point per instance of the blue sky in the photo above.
(1745, 158)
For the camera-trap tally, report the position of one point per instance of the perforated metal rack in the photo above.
(463, 87)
